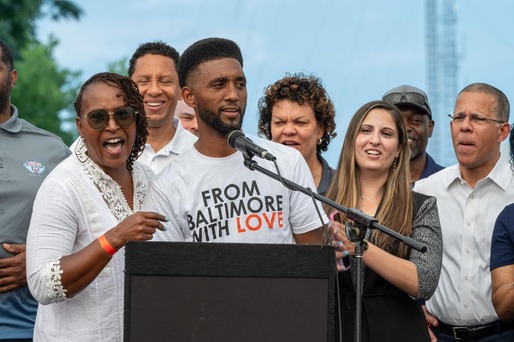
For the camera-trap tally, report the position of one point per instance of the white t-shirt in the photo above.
(181, 141)
(220, 200)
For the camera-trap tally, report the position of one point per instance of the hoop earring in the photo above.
(81, 150)
(320, 141)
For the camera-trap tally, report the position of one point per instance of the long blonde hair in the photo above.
(396, 207)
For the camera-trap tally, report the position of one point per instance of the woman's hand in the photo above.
(432, 321)
(342, 246)
(81, 268)
(139, 226)
(402, 273)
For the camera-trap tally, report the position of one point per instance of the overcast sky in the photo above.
(360, 49)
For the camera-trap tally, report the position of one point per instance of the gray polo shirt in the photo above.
(27, 155)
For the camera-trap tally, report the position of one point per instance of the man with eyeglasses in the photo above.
(470, 195)
(27, 155)
(417, 115)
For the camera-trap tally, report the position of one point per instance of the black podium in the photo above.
(199, 292)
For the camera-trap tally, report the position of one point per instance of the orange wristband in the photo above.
(106, 245)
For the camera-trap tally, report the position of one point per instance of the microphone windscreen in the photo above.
(232, 136)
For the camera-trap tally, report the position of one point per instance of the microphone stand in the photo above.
(361, 221)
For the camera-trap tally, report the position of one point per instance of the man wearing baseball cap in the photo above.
(417, 115)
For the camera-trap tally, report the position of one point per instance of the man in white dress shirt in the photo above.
(153, 66)
(470, 195)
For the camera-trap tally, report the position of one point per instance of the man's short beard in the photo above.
(218, 124)
(222, 127)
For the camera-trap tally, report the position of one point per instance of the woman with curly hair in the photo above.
(296, 111)
(85, 211)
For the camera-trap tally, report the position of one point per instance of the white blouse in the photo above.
(76, 204)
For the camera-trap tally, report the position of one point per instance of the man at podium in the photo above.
(207, 192)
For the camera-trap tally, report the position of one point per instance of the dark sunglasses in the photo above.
(394, 98)
(98, 119)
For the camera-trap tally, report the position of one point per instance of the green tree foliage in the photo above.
(44, 93)
(18, 18)
(120, 66)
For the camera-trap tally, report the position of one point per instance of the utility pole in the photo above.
(442, 75)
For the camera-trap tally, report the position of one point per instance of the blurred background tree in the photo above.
(120, 66)
(45, 92)
(18, 18)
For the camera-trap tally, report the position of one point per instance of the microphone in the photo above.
(236, 139)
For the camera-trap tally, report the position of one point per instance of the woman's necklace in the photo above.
(365, 199)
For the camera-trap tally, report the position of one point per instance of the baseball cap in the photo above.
(407, 95)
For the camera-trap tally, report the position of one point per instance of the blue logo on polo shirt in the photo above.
(35, 167)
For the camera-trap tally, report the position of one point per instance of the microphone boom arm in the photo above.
(354, 214)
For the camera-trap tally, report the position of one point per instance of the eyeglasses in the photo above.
(473, 117)
(98, 119)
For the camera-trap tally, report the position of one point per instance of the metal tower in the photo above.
(442, 75)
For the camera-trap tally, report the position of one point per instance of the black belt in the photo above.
(475, 332)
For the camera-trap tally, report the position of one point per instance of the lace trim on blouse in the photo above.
(111, 190)
(115, 199)
(52, 272)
